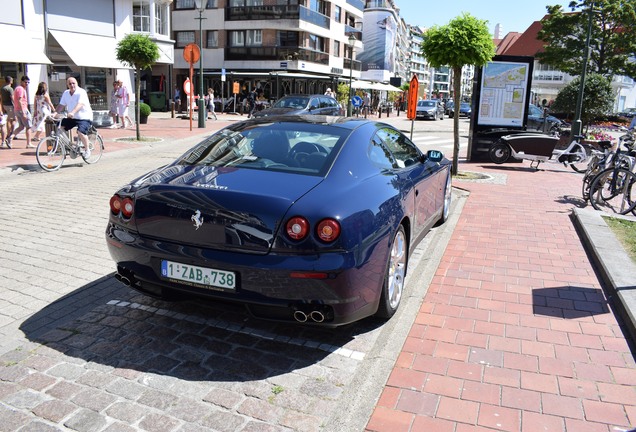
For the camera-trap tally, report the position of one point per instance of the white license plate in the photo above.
(198, 275)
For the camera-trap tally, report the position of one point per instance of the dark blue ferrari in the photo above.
(305, 219)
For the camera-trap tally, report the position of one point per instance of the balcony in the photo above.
(248, 13)
(552, 76)
(276, 12)
(261, 53)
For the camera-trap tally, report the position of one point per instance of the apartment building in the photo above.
(275, 47)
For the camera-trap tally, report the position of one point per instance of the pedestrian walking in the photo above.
(123, 104)
(22, 113)
(210, 102)
(251, 103)
(6, 93)
(113, 105)
(177, 98)
(330, 93)
(42, 109)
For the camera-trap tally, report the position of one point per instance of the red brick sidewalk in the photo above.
(515, 332)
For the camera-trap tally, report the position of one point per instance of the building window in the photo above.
(184, 4)
(254, 37)
(184, 38)
(316, 43)
(246, 38)
(141, 16)
(212, 40)
(319, 6)
(338, 14)
(241, 3)
(287, 39)
(336, 48)
(161, 19)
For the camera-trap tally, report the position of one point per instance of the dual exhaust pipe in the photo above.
(316, 316)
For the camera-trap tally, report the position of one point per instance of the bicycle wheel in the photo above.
(96, 146)
(611, 191)
(581, 166)
(50, 154)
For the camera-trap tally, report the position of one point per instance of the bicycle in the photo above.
(52, 150)
(611, 190)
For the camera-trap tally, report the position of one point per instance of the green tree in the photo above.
(612, 37)
(139, 52)
(465, 40)
(598, 97)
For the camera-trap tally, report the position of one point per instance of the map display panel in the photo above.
(503, 94)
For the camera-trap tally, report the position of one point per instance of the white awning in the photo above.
(361, 84)
(18, 47)
(89, 50)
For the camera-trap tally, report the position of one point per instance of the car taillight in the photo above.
(297, 228)
(123, 206)
(115, 204)
(328, 230)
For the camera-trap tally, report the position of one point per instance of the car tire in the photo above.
(448, 192)
(499, 153)
(395, 274)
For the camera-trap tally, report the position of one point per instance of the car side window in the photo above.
(403, 150)
(314, 104)
(379, 155)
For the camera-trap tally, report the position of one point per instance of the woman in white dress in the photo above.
(123, 102)
(42, 108)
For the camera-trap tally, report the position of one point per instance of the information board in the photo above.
(504, 87)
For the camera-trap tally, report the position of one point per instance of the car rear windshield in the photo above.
(296, 102)
(291, 147)
(426, 103)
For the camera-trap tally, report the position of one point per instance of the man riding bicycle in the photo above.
(79, 112)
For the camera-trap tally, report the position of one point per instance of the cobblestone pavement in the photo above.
(79, 351)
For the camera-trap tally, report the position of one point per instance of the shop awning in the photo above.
(18, 47)
(370, 85)
(93, 51)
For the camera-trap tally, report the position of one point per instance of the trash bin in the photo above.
(157, 101)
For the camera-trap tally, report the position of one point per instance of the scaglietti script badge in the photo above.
(197, 219)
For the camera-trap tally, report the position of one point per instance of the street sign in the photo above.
(236, 87)
(356, 101)
(191, 53)
(223, 74)
(411, 106)
(187, 86)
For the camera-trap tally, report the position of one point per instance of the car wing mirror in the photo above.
(434, 156)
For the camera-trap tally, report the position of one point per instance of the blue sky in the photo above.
(512, 15)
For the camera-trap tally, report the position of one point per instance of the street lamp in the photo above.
(200, 6)
(577, 125)
(352, 41)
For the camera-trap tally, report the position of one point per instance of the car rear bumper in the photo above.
(276, 287)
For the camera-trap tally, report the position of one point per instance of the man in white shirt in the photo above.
(78, 112)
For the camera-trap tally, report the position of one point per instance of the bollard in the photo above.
(171, 109)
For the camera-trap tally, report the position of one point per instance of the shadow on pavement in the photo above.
(569, 302)
(197, 341)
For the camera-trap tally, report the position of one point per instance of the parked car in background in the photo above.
(303, 104)
(307, 219)
(629, 113)
(464, 110)
(429, 109)
(536, 120)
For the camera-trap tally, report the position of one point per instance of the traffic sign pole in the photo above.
(411, 107)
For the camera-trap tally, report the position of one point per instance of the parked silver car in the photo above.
(303, 104)
(429, 109)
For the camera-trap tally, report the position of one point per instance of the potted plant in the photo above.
(144, 112)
